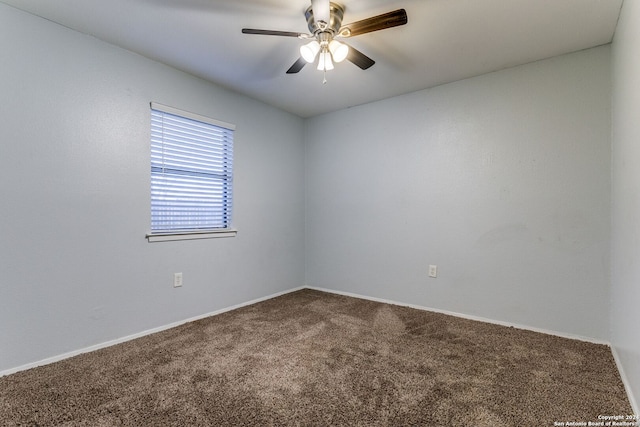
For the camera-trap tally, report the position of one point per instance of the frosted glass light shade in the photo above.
(325, 62)
(309, 51)
(338, 50)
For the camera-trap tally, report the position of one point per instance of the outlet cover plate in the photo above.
(433, 271)
(177, 280)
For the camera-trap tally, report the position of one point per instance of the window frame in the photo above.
(193, 233)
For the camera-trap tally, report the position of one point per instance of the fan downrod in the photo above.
(336, 13)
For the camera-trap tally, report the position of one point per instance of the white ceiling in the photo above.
(444, 41)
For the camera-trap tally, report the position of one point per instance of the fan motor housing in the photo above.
(336, 12)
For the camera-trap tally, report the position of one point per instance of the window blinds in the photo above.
(191, 171)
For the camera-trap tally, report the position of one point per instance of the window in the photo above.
(191, 174)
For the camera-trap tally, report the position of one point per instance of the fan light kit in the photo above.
(324, 19)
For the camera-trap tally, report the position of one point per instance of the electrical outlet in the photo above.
(433, 271)
(177, 280)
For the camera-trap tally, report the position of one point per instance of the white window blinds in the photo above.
(191, 171)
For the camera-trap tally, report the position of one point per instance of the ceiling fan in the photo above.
(324, 19)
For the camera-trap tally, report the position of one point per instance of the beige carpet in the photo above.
(312, 359)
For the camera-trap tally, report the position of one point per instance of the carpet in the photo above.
(311, 358)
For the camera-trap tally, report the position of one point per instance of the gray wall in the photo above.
(502, 180)
(625, 271)
(75, 267)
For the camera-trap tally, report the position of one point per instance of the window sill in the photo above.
(190, 235)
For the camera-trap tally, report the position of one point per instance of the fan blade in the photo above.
(359, 58)
(297, 66)
(380, 22)
(272, 33)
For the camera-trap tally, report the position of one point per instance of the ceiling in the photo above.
(444, 41)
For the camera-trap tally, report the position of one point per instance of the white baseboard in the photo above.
(139, 334)
(625, 380)
(466, 316)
